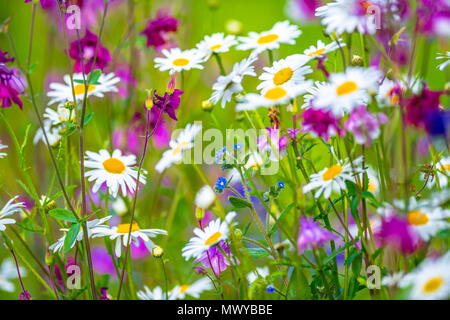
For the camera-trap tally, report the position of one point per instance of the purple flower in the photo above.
(276, 142)
(102, 262)
(88, 46)
(434, 17)
(12, 83)
(311, 235)
(364, 125)
(168, 103)
(214, 258)
(397, 233)
(104, 294)
(157, 29)
(321, 123)
(25, 295)
(418, 107)
(303, 10)
(438, 123)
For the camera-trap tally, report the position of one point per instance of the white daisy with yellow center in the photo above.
(254, 162)
(156, 294)
(92, 226)
(115, 170)
(428, 221)
(215, 43)
(120, 234)
(178, 147)
(281, 32)
(54, 134)
(62, 92)
(258, 273)
(226, 86)
(347, 16)
(177, 60)
(321, 49)
(215, 231)
(346, 91)
(2, 154)
(333, 178)
(11, 207)
(278, 95)
(430, 280)
(289, 71)
(194, 289)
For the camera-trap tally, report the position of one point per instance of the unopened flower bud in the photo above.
(357, 61)
(200, 270)
(48, 258)
(213, 4)
(157, 252)
(171, 84)
(238, 234)
(50, 206)
(199, 213)
(149, 100)
(207, 106)
(233, 26)
(5, 25)
(69, 105)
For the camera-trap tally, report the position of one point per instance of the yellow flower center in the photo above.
(417, 218)
(275, 93)
(268, 38)
(180, 62)
(177, 149)
(183, 288)
(80, 88)
(433, 284)
(332, 172)
(346, 88)
(282, 76)
(125, 227)
(371, 187)
(445, 167)
(317, 52)
(113, 165)
(213, 239)
(215, 47)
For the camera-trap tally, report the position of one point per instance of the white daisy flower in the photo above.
(156, 294)
(205, 197)
(8, 271)
(176, 60)
(119, 206)
(226, 86)
(53, 134)
(10, 208)
(442, 172)
(332, 178)
(289, 71)
(428, 221)
(2, 154)
(347, 16)
(62, 93)
(275, 96)
(60, 116)
(193, 290)
(255, 161)
(386, 95)
(281, 32)
(91, 229)
(183, 142)
(321, 49)
(215, 43)
(116, 170)
(345, 91)
(430, 280)
(373, 180)
(215, 231)
(120, 232)
(446, 58)
(258, 273)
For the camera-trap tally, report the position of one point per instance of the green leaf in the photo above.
(95, 75)
(281, 218)
(71, 236)
(257, 252)
(63, 214)
(239, 203)
(337, 252)
(88, 117)
(28, 225)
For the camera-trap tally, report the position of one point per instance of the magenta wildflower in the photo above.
(25, 295)
(104, 294)
(214, 258)
(157, 29)
(396, 232)
(303, 10)
(420, 106)
(321, 123)
(102, 262)
(12, 83)
(129, 138)
(276, 142)
(168, 103)
(433, 17)
(88, 46)
(311, 235)
(364, 126)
